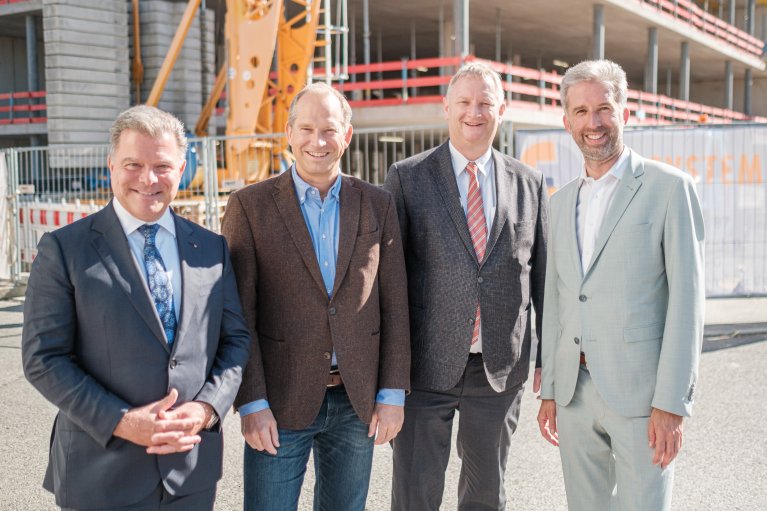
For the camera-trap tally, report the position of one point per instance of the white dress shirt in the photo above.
(486, 178)
(166, 244)
(594, 199)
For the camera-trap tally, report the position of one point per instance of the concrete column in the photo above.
(731, 19)
(651, 71)
(461, 24)
(442, 45)
(728, 80)
(498, 35)
(32, 78)
(413, 56)
(366, 41)
(33, 82)
(750, 25)
(598, 52)
(684, 73)
(748, 83)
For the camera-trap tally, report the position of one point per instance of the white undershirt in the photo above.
(594, 199)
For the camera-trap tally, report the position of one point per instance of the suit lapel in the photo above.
(190, 260)
(348, 224)
(112, 246)
(570, 207)
(442, 170)
(505, 196)
(629, 186)
(290, 210)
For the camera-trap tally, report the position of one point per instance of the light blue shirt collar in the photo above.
(304, 190)
(460, 161)
(130, 223)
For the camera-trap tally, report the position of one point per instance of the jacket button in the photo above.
(480, 280)
(582, 298)
(577, 341)
(332, 311)
(173, 363)
(326, 355)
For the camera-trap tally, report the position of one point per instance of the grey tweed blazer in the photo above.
(445, 280)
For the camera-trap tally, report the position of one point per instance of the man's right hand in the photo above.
(260, 431)
(547, 421)
(138, 425)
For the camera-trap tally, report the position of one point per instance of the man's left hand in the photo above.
(387, 419)
(537, 380)
(664, 432)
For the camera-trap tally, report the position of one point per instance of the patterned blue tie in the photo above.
(160, 285)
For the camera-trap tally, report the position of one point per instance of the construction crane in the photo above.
(258, 98)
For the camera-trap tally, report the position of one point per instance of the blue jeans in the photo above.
(343, 456)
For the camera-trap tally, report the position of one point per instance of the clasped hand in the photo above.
(163, 429)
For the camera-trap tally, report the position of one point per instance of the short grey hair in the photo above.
(482, 71)
(321, 88)
(150, 121)
(604, 71)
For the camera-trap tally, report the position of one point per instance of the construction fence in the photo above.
(49, 187)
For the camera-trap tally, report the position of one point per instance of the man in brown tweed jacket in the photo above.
(321, 276)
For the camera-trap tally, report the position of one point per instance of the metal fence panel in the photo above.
(729, 165)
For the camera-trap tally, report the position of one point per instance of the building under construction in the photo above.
(68, 67)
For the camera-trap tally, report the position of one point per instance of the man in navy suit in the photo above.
(133, 329)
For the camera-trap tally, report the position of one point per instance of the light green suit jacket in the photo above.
(637, 312)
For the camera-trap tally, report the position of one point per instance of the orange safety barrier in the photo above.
(34, 102)
(526, 88)
(37, 218)
(687, 12)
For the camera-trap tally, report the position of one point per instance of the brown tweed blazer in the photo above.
(295, 326)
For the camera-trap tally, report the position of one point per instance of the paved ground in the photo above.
(722, 465)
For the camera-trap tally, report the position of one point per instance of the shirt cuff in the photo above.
(394, 397)
(253, 407)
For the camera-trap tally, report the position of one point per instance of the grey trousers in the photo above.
(486, 422)
(606, 458)
(161, 500)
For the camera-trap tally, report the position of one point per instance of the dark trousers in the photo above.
(161, 500)
(486, 422)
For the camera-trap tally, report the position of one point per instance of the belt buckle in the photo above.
(334, 379)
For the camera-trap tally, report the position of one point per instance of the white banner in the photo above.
(729, 164)
(5, 227)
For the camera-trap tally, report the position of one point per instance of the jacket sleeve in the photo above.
(683, 236)
(238, 232)
(394, 362)
(48, 347)
(538, 270)
(225, 376)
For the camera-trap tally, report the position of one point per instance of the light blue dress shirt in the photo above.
(485, 176)
(322, 219)
(166, 244)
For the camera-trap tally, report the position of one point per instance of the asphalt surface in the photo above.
(722, 465)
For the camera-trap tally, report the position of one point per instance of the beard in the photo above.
(609, 149)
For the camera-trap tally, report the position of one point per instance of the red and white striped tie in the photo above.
(475, 217)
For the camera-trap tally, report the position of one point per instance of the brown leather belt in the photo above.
(583, 359)
(335, 380)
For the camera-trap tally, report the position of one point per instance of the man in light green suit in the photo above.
(623, 308)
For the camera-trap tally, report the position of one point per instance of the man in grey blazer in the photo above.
(474, 225)
(133, 330)
(623, 316)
